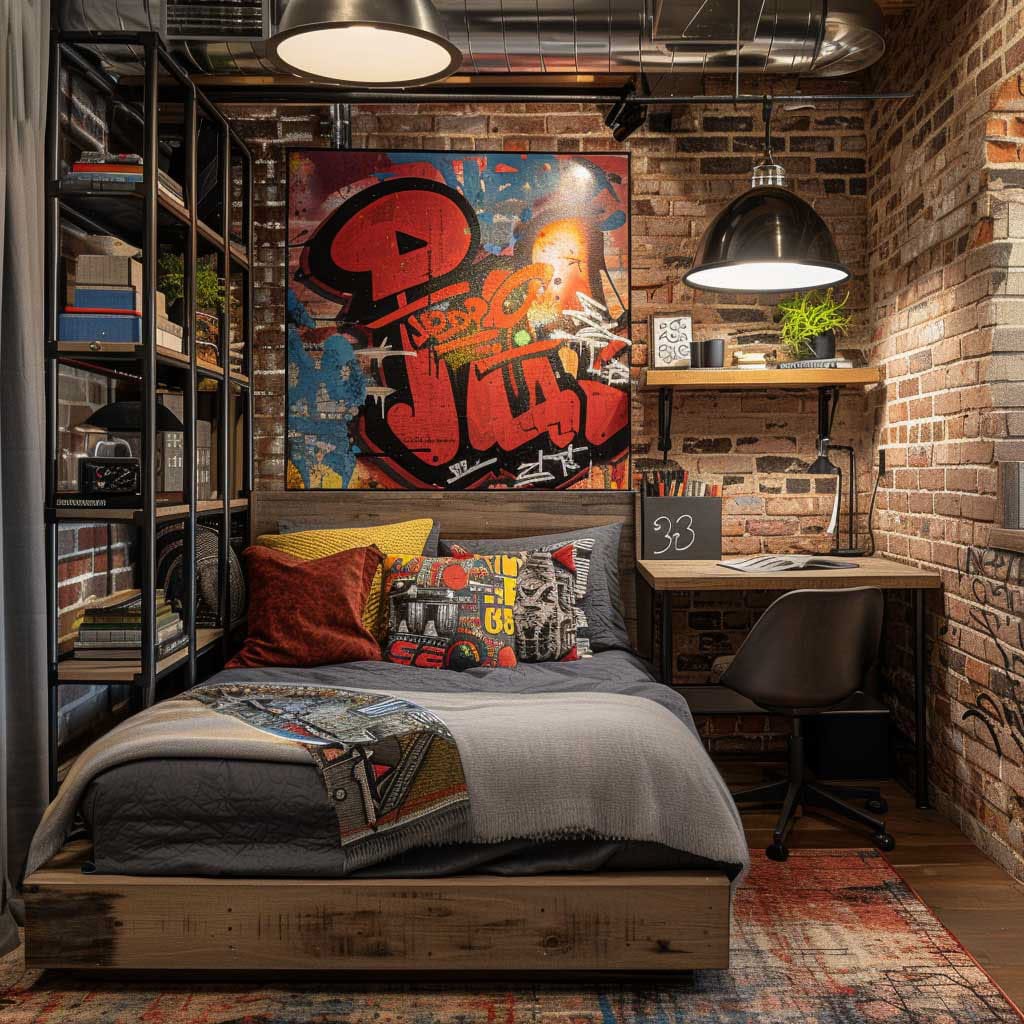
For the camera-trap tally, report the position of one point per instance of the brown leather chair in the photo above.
(809, 652)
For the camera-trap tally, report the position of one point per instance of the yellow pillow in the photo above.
(409, 536)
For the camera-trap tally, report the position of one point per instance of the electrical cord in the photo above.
(871, 509)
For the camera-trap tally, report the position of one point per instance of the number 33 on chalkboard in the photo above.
(682, 528)
(677, 534)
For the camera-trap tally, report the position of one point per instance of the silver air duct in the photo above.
(776, 37)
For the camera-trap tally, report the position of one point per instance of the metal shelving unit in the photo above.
(138, 215)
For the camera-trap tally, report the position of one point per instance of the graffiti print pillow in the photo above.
(454, 613)
(550, 622)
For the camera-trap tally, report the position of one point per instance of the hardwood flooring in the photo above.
(975, 899)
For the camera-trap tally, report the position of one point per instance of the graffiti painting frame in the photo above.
(540, 399)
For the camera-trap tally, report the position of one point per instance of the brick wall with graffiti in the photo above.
(946, 238)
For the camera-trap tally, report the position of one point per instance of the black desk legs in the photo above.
(666, 637)
(920, 704)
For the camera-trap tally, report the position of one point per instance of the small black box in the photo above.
(851, 741)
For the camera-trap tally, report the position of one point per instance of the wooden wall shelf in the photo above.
(858, 376)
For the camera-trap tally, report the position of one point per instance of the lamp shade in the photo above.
(126, 417)
(823, 466)
(365, 42)
(766, 240)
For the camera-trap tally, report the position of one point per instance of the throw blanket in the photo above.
(386, 763)
(537, 766)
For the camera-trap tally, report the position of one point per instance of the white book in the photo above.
(786, 563)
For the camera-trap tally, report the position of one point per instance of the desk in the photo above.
(667, 578)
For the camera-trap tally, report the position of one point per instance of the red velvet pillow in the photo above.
(305, 613)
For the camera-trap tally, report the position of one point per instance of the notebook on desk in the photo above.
(786, 563)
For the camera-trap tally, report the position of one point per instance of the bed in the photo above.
(197, 861)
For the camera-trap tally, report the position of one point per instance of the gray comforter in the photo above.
(589, 758)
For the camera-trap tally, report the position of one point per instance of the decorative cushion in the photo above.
(308, 612)
(454, 613)
(410, 535)
(430, 548)
(550, 625)
(599, 575)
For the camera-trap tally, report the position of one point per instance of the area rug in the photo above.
(829, 937)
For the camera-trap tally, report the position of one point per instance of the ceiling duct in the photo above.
(653, 37)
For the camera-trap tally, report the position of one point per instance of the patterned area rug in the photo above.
(830, 937)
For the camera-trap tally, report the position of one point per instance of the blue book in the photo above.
(99, 327)
(106, 298)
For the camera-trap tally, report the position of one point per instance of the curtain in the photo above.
(24, 41)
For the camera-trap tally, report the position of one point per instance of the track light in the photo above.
(626, 116)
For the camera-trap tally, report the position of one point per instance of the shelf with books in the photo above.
(96, 317)
(71, 670)
(118, 211)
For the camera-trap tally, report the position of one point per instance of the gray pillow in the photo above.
(298, 525)
(603, 601)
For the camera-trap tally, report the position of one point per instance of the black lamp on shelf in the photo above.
(824, 466)
(112, 471)
(125, 417)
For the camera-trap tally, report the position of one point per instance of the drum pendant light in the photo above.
(365, 42)
(766, 240)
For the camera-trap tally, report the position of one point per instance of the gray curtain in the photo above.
(24, 36)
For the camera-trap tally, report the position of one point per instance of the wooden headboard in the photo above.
(466, 514)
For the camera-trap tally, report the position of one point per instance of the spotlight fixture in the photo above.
(365, 42)
(768, 239)
(626, 116)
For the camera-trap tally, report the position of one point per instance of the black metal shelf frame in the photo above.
(121, 214)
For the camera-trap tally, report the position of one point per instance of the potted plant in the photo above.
(810, 323)
(209, 300)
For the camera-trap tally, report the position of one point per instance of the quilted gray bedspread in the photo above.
(553, 753)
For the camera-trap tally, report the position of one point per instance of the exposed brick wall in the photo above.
(758, 445)
(946, 239)
(86, 552)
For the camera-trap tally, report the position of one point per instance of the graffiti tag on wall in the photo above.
(997, 589)
(457, 320)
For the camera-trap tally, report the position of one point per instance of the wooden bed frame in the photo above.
(654, 921)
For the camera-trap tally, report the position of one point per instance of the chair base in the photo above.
(802, 790)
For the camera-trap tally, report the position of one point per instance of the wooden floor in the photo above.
(976, 900)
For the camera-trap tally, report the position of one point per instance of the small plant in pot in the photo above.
(810, 323)
(209, 300)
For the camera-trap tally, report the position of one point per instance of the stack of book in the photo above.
(99, 171)
(839, 363)
(104, 304)
(112, 630)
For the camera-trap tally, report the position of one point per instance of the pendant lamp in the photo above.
(365, 42)
(766, 240)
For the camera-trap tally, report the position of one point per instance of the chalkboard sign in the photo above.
(671, 334)
(681, 529)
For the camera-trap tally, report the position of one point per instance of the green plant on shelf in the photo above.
(805, 316)
(171, 279)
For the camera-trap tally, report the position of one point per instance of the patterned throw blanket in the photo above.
(388, 765)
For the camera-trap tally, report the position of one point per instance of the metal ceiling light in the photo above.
(365, 42)
(766, 240)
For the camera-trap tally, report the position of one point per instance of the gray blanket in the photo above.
(547, 754)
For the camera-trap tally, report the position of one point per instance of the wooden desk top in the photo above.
(704, 574)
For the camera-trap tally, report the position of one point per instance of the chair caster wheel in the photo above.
(777, 852)
(879, 806)
(884, 841)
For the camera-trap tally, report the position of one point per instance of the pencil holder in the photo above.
(681, 529)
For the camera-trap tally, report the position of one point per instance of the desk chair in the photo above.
(809, 652)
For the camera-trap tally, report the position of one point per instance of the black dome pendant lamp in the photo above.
(766, 240)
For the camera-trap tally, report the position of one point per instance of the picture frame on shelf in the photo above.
(671, 335)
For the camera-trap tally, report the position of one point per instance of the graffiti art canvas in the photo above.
(457, 320)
